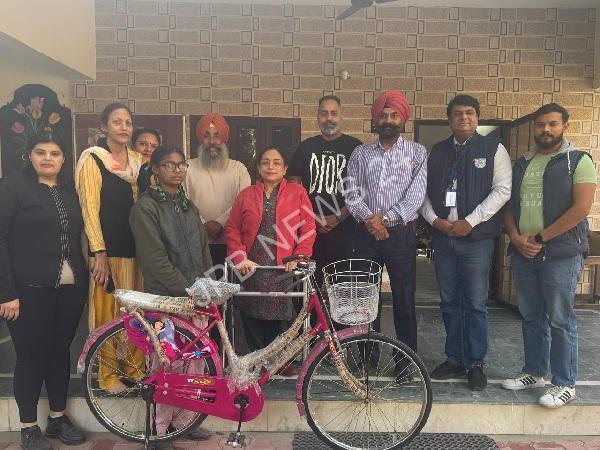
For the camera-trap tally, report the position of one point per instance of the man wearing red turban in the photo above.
(387, 179)
(214, 180)
(214, 124)
(394, 100)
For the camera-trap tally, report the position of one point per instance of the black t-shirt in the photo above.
(323, 166)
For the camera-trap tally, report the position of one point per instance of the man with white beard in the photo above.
(319, 163)
(214, 180)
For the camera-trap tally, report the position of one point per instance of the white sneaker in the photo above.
(523, 381)
(557, 396)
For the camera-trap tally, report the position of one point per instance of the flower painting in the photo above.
(30, 120)
(34, 108)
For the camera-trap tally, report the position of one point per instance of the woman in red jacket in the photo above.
(269, 221)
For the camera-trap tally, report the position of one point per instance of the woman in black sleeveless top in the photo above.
(106, 181)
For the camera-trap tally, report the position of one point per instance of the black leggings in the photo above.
(42, 336)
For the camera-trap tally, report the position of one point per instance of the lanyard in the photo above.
(453, 173)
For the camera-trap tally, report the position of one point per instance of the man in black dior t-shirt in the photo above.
(319, 163)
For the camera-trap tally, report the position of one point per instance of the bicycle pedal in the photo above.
(236, 440)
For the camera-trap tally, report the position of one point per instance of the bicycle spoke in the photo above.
(124, 412)
(376, 362)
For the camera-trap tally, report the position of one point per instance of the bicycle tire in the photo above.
(323, 392)
(130, 404)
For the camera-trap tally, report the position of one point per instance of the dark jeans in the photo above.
(218, 252)
(334, 246)
(42, 335)
(462, 269)
(330, 247)
(260, 333)
(398, 254)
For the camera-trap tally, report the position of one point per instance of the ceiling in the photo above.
(571, 4)
(20, 54)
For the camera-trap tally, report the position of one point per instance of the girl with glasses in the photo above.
(172, 251)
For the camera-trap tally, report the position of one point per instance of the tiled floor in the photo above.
(283, 441)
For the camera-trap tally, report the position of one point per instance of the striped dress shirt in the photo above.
(391, 182)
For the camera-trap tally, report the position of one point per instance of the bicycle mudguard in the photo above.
(321, 344)
(177, 321)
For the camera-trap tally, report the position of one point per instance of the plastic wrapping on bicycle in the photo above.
(203, 292)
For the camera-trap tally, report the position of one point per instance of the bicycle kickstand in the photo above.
(147, 395)
(237, 439)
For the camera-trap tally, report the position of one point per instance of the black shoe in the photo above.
(447, 370)
(33, 439)
(62, 428)
(199, 434)
(162, 446)
(477, 378)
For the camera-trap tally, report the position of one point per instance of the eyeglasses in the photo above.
(172, 167)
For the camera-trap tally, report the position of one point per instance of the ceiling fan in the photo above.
(357, 5)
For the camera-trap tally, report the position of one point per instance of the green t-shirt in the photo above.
(532, 194)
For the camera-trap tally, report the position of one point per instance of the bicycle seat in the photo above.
(206, 290)
(150, 302)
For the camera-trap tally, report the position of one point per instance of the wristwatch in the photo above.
(539, 239)
(385, 220)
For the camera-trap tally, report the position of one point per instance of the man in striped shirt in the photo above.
(387, 180)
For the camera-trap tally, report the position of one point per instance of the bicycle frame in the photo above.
(217, 395)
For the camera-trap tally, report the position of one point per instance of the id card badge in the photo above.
(450, 198)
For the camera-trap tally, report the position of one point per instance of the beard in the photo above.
(388, 131)
(214, 156)
(329, 128)
(547, 143)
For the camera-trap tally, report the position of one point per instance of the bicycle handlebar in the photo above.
(291, 258)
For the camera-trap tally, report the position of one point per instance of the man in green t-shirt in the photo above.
(553, 190)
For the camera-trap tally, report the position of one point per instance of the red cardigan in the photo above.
(294, 221)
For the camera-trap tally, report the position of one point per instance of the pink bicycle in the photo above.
(358, 389)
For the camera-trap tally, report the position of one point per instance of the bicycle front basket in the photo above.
(353, 289)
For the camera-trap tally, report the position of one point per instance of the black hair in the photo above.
(463, 100)
(260, 153)
(141, 130)
(335, 98)
(550, 108)
(109, 109)
(164, 150)
(44, 137)
(106, 112)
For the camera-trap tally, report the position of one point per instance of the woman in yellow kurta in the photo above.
(106, 181)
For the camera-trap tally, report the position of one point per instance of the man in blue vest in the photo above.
(554, 186)
(468, 182)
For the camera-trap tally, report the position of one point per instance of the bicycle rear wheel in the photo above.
(398, 395)
(124, 414)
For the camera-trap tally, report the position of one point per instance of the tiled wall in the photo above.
(277, 60)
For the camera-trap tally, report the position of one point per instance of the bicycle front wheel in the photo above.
(124, 413)
(395, 394)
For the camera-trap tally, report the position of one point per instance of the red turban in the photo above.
(212, 120)
(394, 100)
